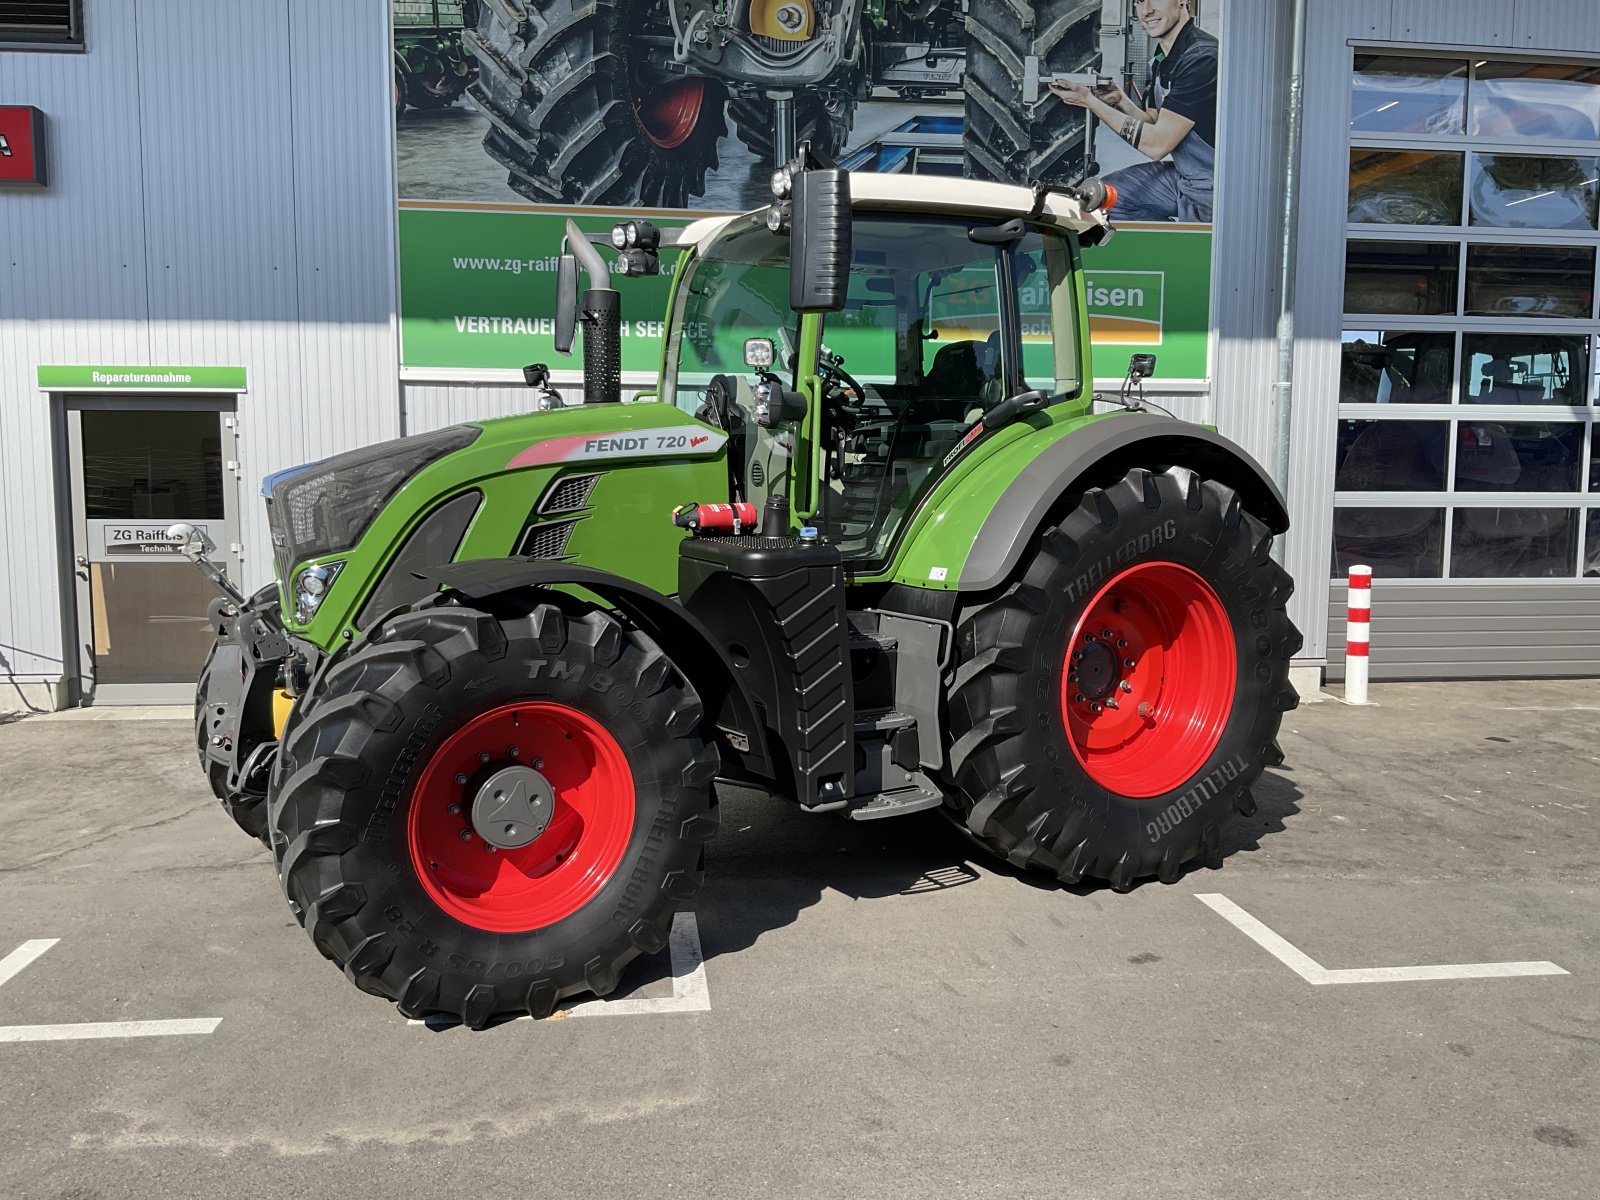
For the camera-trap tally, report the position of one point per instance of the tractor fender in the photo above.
(1097, 456)
(691, 645)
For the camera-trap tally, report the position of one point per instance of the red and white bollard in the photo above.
(1357, 635)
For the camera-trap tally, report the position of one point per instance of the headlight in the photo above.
(321, 509)
(310, 586)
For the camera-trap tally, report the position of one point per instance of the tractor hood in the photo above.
(594, 484)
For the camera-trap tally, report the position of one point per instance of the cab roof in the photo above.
(873, 192)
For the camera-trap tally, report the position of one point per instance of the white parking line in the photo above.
(690, 992)
(106, 1029)
(28, 952)
(1312, 972)
(22, 956)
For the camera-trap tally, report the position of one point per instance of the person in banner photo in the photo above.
(1177, 126)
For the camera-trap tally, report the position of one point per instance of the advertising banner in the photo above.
(516, 115)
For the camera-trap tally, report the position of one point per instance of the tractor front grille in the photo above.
(546, 541)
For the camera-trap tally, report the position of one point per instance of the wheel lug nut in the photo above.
(454, 809)
(488, 848)
(483, 756)
(1088, 637)
(1122, 643)
(538, 764)
(1125, 686)
(514, 752)
(1112, 704)
(461, 779)
(1146, 711)
(1081, 697)
(1095, 708)
(1128, 662)
(1107, 634)
(466, 835)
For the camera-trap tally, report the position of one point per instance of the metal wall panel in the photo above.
(221, 192)
(1475, 631)
(1552, 24)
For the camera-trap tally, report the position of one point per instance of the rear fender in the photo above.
(691, 645)
(977, 525)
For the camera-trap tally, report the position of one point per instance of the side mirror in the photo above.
(820, 246)
(1141, 366)
(566, 303)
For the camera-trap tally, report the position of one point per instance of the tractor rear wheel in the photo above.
(1003, 141)
(1113, 705)
(579, 115)
(480, 814)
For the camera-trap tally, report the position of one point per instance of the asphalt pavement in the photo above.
(881, 1011)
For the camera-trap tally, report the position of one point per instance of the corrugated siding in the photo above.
(221, 193)
(1474, 630)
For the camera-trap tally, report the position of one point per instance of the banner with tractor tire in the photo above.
(513, 115)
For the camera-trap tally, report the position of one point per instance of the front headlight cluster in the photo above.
(310, 586)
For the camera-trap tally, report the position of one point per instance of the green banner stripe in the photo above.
(127, 378)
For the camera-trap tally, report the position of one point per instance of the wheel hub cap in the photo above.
(513, 807)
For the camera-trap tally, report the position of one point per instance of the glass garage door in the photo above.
(1467, 472)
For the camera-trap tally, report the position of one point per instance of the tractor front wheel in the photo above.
(480, 814)
(1113, 705)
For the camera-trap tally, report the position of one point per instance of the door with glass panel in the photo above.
(136, 467)
(1467, 390)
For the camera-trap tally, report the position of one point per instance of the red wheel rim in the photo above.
(670, 113)
(1148, 682)
(561, 870)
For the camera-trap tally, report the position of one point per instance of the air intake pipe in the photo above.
(601, 314)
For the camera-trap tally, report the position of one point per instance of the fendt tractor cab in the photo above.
(867, 547)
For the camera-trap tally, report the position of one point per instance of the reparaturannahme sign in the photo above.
(142, 379)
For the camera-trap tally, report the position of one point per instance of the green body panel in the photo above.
(625, 527)
(933, 551)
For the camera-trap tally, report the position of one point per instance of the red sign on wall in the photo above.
(21, 146)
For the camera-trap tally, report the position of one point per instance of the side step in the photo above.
(896, 804)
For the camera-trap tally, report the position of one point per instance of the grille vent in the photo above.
(757, 475)
(569, 494)
(546, 541)
(38, 20)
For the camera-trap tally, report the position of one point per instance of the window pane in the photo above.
(1401, 278)
(1517, 191)
(1518, 458)
(1405, 187)
(1398, 456)
(1537, 100)
(1508, 368)
(1525, 543)
(1391, 367)
(1591, 553)
(1397, 543)
(1530, 281)
(1408, 95)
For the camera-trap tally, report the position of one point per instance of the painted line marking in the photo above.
(1313, 972)
(690, 991)
(107, 1029)
(24, 954)
(29, 952)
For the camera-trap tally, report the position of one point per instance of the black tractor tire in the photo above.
(824, 122)
(1003, 141)
(1020, 786)
(355, 765)
(562, 86)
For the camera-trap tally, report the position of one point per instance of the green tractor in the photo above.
(867, 547)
